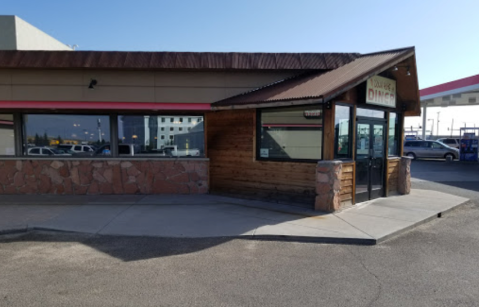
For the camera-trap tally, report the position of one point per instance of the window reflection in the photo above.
(393, 144)
(7, 135)
(291, 133)
(156, 135)
(65, 135)
(342, 127)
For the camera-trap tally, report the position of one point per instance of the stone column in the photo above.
(404, 176)
(328, 185)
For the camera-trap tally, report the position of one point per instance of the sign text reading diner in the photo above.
(381, 91)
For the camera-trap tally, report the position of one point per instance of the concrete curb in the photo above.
(285, 238)
(13, 230)
(419, 223)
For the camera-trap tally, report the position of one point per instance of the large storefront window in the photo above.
(393, 143)
(7, 135)
(342, 130)
(66, 135)
(291, 133)
(169, 136)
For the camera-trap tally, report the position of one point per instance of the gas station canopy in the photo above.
(462, 92)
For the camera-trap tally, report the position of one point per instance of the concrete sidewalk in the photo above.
(216, 216)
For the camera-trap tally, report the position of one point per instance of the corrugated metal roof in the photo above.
(319, 84)
(172, 60)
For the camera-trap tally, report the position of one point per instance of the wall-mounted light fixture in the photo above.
(92, 84)
(396, 68)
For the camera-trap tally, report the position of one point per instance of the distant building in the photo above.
(156, 131)
(17, 34)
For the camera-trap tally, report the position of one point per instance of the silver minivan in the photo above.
(429, 149)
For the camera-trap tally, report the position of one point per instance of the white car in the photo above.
(46, 151)
(77, 148)
(172, 150)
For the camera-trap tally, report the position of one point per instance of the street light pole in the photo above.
(452, 127)
(437, 131)
(432, 126)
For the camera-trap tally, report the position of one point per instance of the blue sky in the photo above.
(445, 33)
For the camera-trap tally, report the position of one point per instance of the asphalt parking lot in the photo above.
(432, 265)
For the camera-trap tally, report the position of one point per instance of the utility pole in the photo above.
(432, 126)
(452, 127)
(437, 131)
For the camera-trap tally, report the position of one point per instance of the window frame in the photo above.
(16, 137)
(258, 138)
(23, 137)
(19, 133)
(350, 131)
(397, 133)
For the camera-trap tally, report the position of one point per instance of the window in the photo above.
(436, 146)
(141, 134)
(180, 129)
(7, 135)
(162, 128)
(53, 130)
(342, 132)
(290, 133)
(393, 140)
(189, 119)
(162, 119)
(181, 119)
(369, 113)
(172, 120)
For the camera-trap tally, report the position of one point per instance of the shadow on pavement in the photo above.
(464, 175)
(123, 248)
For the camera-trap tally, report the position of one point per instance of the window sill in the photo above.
(5, 158)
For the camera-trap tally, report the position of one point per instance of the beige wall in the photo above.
(130, 86)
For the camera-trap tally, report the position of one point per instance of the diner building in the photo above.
(320, 130)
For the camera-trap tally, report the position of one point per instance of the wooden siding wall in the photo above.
(234, 170)
(392, 175)
(347, 182)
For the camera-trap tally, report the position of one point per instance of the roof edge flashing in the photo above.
(271, 104)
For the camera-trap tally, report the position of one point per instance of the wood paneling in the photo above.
(392, 175)
(347, 182)
(234, 170)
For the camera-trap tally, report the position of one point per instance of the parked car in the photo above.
(77, 148)
(46, 151)
(173, 151)
(451, 142)
(429, 149)
(123, 150)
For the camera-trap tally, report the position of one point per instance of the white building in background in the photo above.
(169, 126)
(17, 34)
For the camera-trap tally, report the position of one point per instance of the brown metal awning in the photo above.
(320, 87)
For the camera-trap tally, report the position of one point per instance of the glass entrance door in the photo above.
(370, 159)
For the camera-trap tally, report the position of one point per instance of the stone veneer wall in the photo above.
(328, 185)
(92, 177)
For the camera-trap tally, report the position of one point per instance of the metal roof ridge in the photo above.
(411, 48)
